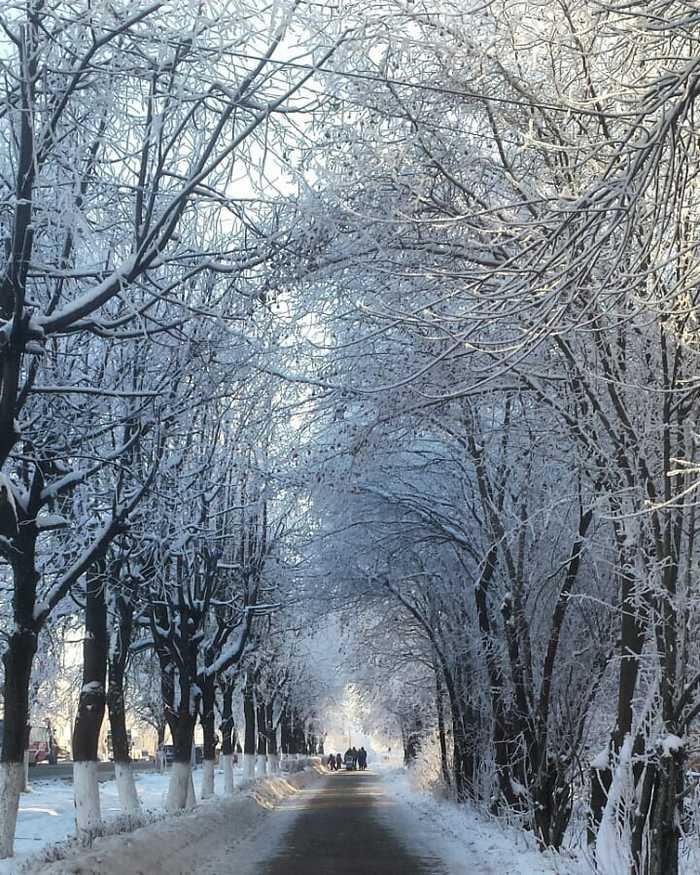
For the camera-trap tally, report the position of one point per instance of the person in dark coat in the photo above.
(338, 762)
(331, 762)
(362, 758)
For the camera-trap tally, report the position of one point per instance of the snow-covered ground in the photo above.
(46, 814)
(218, 835)
(469, 843)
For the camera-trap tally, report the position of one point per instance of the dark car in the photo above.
(169, 753)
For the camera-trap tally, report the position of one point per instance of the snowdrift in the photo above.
(176, 845)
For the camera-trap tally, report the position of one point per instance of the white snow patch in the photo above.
(671, 744)
(92, 687)
(51, 521)
(47, 815)
(602, 760)
(191, 842)
(462, 839)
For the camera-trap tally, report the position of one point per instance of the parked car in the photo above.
(42, 744)
(169, 754)
(41, 747)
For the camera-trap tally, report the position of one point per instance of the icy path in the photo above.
(355, 823)
(344, 826)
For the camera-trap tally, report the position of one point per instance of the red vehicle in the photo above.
(40, 746)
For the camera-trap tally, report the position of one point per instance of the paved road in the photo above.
(64, 771)
(343, 829)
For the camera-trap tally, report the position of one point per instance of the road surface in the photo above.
(64, 771)
(344, 826)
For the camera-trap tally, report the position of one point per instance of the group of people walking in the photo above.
(354, 759)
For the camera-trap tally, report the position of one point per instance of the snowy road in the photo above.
(344, 827)
(364, 823)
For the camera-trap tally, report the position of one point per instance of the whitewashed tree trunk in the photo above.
(86, 793)
(11, 776)
(273, 764)
(126, 788)
(248, 766)
(207, 779)
(191, 797)
(261, 766)
(227, 764)
(178, 787)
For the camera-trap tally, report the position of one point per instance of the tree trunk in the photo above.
(667, 812)
(600, 787)
(228, 737)
(249, 736)
(463, 764)
(181, 699)
(179, 789)
(631, 645)
(412, 736)
(501, 731)
(298, 742)
(122, 618)
(91, 707)
(286, 732)
(208, 721)
(442, 738)
(17, 660)
(552, 793)
(273, 759)
(181, 722)
(261, 763)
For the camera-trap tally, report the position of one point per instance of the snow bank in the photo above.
(177, 845)
(466, 841)
(47, 813)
